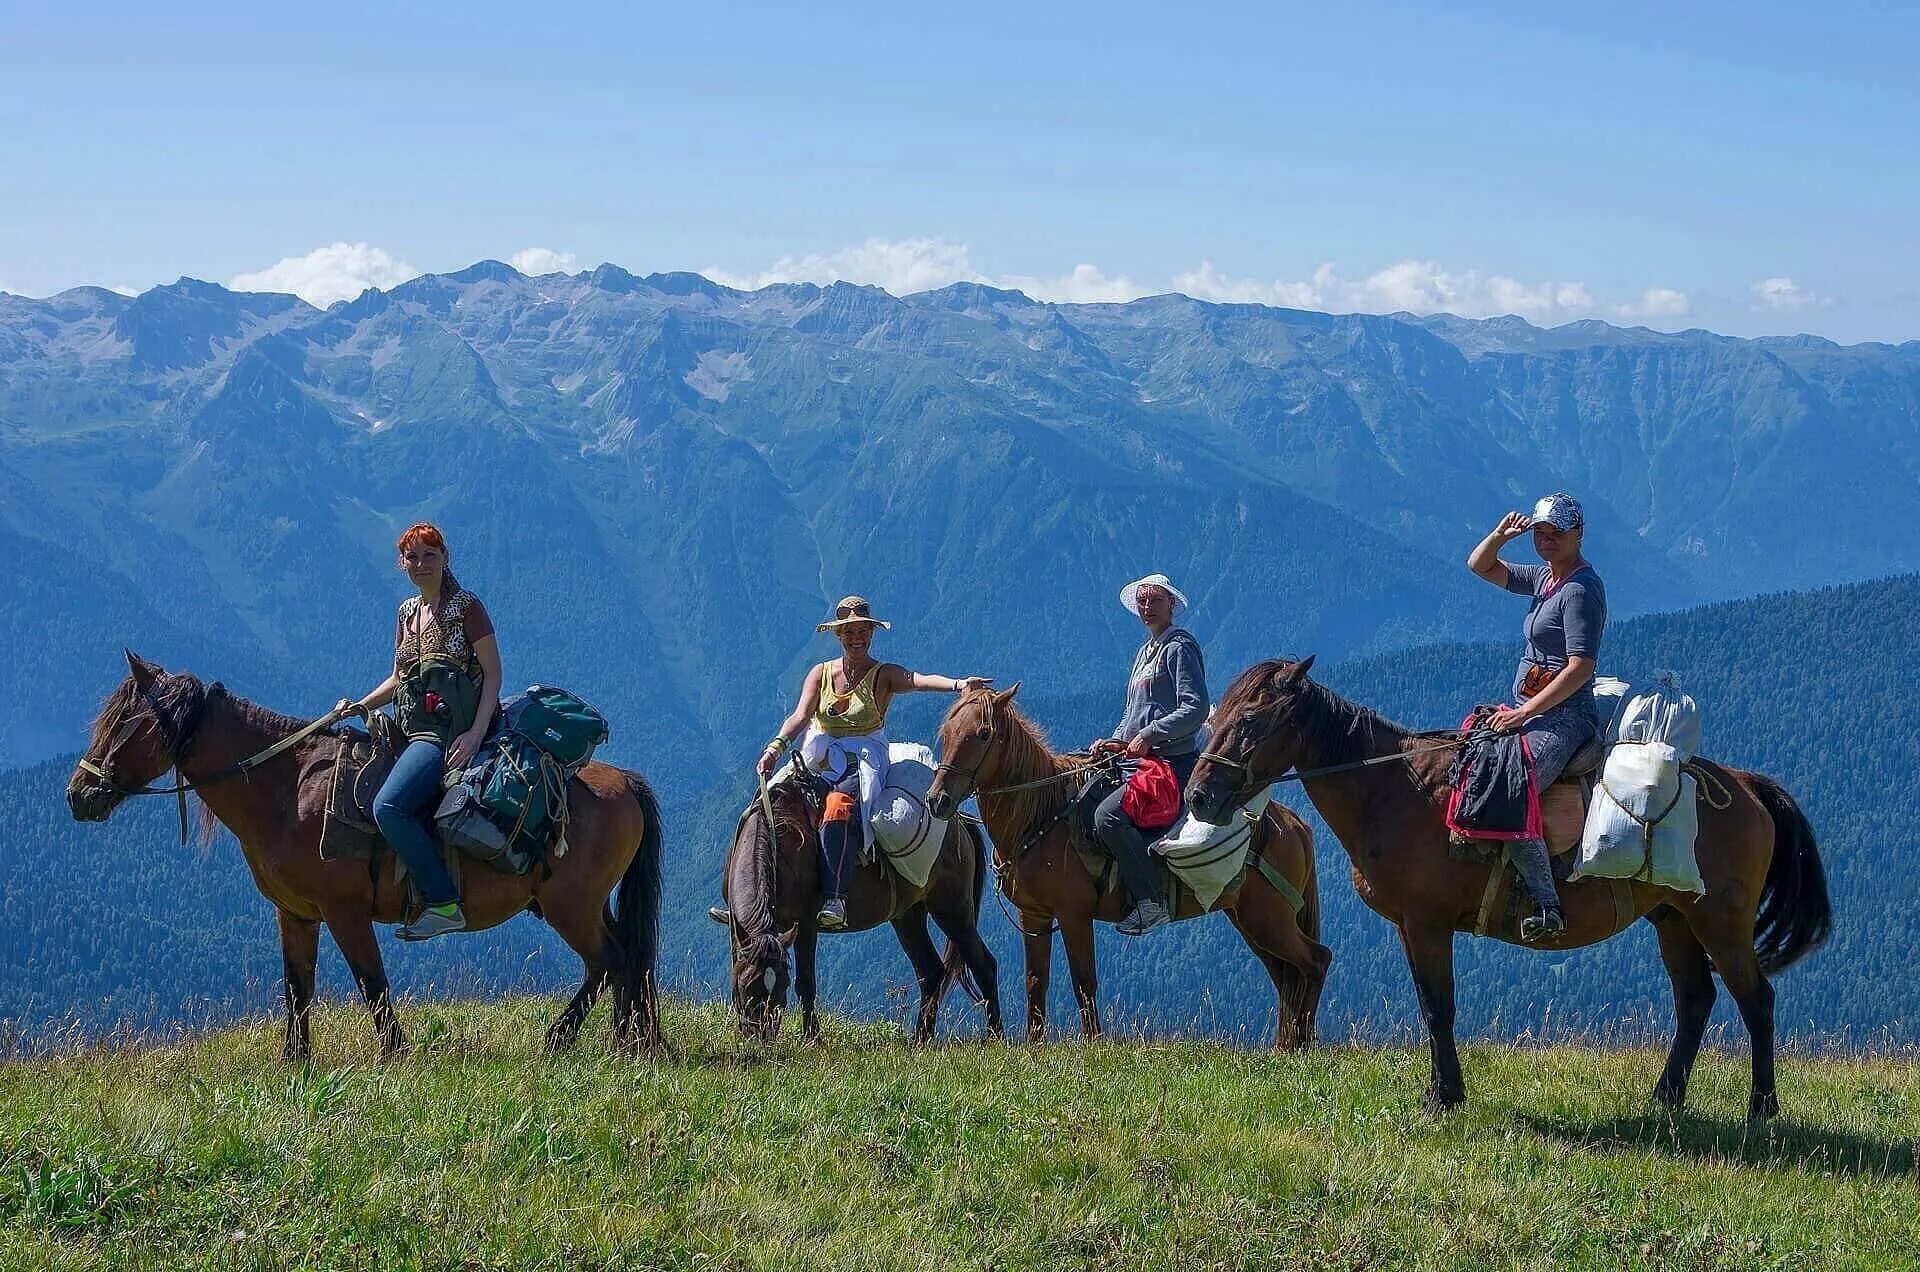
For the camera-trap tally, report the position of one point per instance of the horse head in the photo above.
(1256, 738)
(968, 754)
(760, 852)
(137, 736)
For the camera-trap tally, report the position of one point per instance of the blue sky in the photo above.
(1750, 169)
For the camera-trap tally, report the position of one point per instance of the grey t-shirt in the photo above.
(1564, 623)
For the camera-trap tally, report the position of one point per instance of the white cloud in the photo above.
(1783, 295)
(326, 274)
(1415, 286)
(1421, 287)
(909, 265)
(1660, 302)
(1086, 285)
(543, 260)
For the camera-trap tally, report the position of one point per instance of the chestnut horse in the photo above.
(772, 887)
(1765, 906)
(988, 746)
(157, 721)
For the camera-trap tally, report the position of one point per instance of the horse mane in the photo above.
(755, 869)
(1331, 720)
(1027, 756)
(178, 694)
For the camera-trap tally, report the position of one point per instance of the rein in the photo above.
(1300, 775)
(176, 746)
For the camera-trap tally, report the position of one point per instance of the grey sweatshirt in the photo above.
(1166, 694)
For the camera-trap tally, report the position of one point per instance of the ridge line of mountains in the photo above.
(658, 483)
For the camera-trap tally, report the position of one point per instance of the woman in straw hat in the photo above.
(843, 710)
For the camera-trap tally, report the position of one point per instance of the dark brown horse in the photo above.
(772, 887)
(156, 721)
(1765, 906)
(987, 745)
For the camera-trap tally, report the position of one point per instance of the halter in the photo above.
(174, 747)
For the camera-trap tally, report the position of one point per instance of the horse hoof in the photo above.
(1669, 1096)
(1436, 1104)
(1763, 1108)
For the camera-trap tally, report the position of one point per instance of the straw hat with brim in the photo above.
(851, 610)
(1131, 592)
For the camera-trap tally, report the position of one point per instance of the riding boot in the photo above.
(1536, 871)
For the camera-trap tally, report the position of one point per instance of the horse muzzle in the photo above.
(91, 803)
(1207, 802)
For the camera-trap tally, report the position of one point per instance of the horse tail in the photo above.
(953, 967)
(1795, 914)
(636, 921)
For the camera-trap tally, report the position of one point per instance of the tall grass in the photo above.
(479, 1151)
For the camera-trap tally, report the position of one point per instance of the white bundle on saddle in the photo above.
(1208, 858)
(1643, 819)
(905, 832)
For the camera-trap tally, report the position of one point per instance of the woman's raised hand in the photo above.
(1512, 526)
(967, 684)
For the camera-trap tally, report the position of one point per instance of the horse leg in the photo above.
(911, 928)
(585, 930)
(299, 955)
(1693, 996)
(962, 929)
(352, 929)
(1077, 937)
(805, 945)
(1429, 948)
(1296, 964)
(1039, 951)
(1738, 966)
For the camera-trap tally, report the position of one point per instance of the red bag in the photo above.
(1152, 798)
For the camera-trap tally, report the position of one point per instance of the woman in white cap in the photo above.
(843, 710)
(1166, 705)
(1553, 688)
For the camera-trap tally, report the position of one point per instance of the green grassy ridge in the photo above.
(479, 1151)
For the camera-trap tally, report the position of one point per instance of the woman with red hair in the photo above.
(446, 684)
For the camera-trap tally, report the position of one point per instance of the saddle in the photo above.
(1563, 804)
(339, 787)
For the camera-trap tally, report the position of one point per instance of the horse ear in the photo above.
(1005, 696)
(1294, 676)
(142, 671)
(786, 939)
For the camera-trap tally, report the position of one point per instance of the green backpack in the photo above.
(502, 810)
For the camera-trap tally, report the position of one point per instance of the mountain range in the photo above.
(659, 483)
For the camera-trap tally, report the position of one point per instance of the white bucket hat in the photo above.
(1130, 593)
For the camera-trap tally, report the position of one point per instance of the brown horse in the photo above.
(156, 721)
(987, 746)
(1765, 906)
(772, 887)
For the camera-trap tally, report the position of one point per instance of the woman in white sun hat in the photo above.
(843, 712)
(1553, 688)
(1166, 705)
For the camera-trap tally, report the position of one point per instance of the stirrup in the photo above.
(832, 916)
(1548, 921)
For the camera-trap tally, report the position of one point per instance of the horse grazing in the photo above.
(772, 888)
(989, 749)
(1765, 907)
(157, 721)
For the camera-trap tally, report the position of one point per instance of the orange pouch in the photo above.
(839, 807)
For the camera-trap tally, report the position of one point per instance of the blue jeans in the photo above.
(404, 809)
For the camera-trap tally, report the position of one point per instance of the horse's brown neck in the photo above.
(1342, 733)
(248, 805)
(1024, 757)
(759, 872)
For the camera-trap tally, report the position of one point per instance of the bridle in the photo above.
(176, 742)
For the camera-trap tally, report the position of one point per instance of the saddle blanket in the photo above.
(1209, 858)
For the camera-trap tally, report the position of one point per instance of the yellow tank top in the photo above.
(859, 710)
